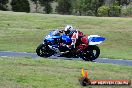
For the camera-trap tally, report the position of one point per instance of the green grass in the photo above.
(49, 73)
(23, 32)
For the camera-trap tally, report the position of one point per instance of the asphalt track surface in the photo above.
(34, 56)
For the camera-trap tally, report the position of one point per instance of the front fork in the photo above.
(55, 49)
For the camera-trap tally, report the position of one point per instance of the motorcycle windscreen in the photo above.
(95, 39)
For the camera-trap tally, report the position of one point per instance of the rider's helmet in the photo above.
(68, 29)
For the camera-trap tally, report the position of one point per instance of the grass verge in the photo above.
(49, 73)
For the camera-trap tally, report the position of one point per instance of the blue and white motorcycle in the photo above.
(52, 46)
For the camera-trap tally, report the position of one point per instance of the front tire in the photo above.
(44, 51)
(91, 53)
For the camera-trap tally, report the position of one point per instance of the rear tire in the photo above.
(44, 51)
(90, 55)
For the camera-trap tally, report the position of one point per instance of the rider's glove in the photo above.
(71, 47)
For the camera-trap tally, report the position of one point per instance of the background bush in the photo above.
(74, 7)
(103, 11)
(64, 7)
(20, 5)
(115, 10)
(3, 5)
(127, 10)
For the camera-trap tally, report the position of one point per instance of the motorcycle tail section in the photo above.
(95, 39)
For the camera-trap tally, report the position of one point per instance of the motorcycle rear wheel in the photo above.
(91, 53)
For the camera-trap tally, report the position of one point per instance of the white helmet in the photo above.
(68, 29)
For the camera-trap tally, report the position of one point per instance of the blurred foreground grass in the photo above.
(51, 73)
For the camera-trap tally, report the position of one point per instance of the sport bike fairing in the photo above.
(54, 35)
(95, 39)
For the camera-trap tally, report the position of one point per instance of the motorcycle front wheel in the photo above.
(91, 53)
(44, 51)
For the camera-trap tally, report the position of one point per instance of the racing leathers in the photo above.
(79, 40)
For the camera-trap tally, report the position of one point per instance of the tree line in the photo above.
(74, 7)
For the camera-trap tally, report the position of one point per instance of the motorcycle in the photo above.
(52, 46)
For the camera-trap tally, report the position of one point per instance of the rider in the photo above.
(79, 40)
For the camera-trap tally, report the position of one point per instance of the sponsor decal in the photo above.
(85, 81)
